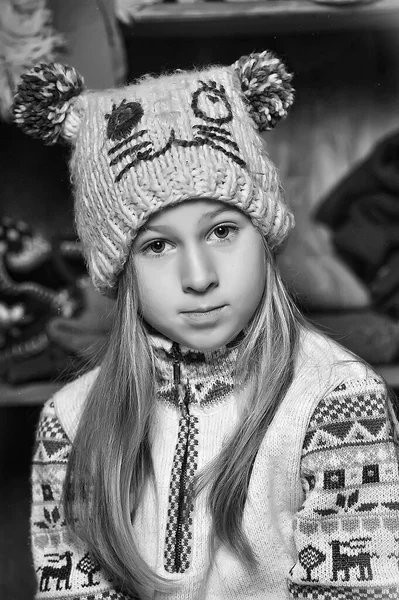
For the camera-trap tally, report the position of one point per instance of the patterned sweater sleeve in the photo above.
(64, 568)
(347, 530)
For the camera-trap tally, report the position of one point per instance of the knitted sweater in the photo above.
(322, 513)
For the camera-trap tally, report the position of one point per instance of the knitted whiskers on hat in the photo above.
(158, 142)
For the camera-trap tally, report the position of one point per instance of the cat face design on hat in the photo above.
(209, 105)
(160, 141)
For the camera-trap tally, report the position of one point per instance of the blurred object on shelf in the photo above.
(385, 286)
(94, 44)
(53, 322)
(38, 281)
(362, 211)
(373, 336)
(27, 37)
(82, 33)
(127, 9)
(84, 333)
(315, 273)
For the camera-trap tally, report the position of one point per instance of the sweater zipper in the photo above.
(184, 408)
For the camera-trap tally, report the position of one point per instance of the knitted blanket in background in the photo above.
(26, 38)
(363, 212)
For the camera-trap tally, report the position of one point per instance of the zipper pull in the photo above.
(176, 371)
(186, 401)
(181, 392)
(176, 363)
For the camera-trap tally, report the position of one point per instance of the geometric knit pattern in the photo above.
(64, 569)
(179, 535)
(306, 592)
(349, 521)
(206, 393)
(206, 378)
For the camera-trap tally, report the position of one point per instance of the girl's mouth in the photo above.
(204, 317)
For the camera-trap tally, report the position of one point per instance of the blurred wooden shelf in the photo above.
(27, 394)
(390, 373)
(201, 18)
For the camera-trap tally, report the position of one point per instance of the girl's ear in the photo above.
(266, 85)
(44, 103)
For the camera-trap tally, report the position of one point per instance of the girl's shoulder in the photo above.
(322, 366)
(69, 401)
(326, 375)
(328, 361)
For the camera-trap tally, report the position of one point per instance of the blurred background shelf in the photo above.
(31, 394)
(254, 17)
(390, 373)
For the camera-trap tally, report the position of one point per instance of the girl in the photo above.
(222, 449)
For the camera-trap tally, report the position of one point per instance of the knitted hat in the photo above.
(140, 148)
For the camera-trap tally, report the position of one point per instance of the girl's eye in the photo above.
(222, 231)
(157, 246)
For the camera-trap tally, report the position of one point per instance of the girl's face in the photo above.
(201, 271)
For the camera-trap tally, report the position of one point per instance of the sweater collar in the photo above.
(192, 376)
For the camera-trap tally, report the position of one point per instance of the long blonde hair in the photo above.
(111, 455)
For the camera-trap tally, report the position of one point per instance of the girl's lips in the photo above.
(207, 318)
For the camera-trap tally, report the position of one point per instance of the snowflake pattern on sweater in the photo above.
(347, 532)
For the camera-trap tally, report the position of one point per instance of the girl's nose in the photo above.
(198, 271)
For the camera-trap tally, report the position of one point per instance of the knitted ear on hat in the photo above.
(266, 85)
(43, 102)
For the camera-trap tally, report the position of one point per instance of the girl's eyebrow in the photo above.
(205, 216)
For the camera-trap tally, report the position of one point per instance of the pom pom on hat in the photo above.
(43, 100)
(266, 85)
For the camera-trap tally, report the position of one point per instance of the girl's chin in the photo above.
(202, 348)
(201, 339)
(204, 343)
